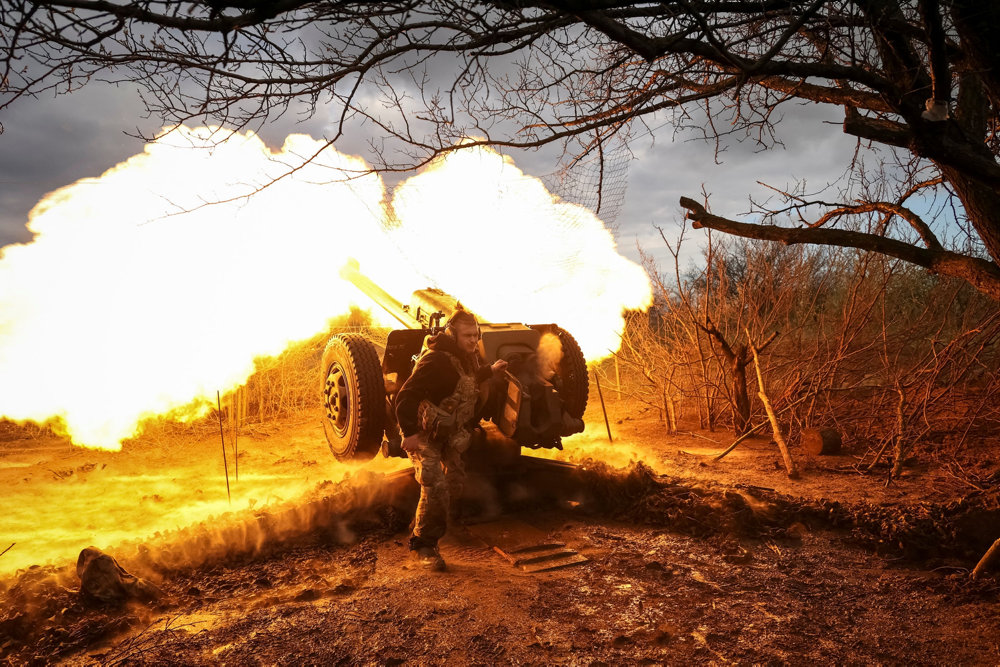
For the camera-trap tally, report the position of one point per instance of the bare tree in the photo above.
(898, 361)
(736, 361)
(918, 79)
(651, 362)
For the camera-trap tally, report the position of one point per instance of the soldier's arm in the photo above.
(430, 380)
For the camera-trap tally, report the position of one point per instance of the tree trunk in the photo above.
(709, 422)
(975, 21)
(982, 205)
(672, 415)
(741, 397)
(772, 415)
(900, 448)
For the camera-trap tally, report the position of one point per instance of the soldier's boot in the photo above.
(430, 559)
(393, 448)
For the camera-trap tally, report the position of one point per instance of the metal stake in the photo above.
(236, 431)
(603, 409)
(218, 401)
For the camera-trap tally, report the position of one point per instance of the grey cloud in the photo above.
(676, 166)
(51, 142)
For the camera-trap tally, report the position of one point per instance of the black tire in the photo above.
(574, 375)
(353, 397)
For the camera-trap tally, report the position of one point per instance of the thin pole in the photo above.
(618, 379)
(603, 409)
(218, 401)
(236, 431)
(8, 548)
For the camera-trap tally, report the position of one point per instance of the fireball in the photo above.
(150, 288)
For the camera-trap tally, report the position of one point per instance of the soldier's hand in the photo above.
(499, 366)
(411, 443)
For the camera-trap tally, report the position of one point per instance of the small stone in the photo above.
(821, 442)
(103, 580)
(343, 588)
(797, 530)
(308, 595)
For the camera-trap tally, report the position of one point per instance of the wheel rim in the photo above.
(337, 399)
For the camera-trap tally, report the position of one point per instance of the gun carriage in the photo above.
(530, 405)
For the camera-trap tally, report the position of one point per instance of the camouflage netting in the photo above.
(594, 175)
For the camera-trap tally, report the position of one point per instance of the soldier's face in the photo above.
(467, 336)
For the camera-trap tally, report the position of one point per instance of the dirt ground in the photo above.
(689, 562)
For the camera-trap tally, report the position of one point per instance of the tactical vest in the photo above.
(448, 422)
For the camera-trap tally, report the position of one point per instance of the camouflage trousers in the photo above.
(440, 471)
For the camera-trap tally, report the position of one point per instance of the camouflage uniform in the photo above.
(445, 432)
(436, 409)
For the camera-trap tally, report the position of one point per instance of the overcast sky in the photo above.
(51, 142)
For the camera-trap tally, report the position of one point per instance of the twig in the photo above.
(760, 426)
(225, 463)
(878, 455)
(775, 427)
(8, 548)
(985, 560)
(130, 650)
(964, 478)
(739, 440)
(703, 437)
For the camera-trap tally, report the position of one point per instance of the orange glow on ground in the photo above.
(59, 499)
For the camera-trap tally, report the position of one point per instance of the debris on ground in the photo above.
(104, 581)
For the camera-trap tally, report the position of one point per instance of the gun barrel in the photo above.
(351, 272)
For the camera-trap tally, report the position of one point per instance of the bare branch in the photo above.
(983, 274)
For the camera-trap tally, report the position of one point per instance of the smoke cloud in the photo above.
(149, 288)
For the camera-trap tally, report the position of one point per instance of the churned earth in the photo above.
(646, 595)
(689, 561)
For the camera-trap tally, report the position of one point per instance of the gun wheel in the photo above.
(574, 375)
(353, 397)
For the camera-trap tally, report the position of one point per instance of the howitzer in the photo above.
(532, 406)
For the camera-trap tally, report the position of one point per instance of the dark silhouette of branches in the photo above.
(918, 85)
(899, 362)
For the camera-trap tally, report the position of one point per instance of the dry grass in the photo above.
(290, 382)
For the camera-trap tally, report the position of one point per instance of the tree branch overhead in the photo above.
(431, 73)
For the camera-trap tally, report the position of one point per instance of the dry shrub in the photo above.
(11, 430)
(898, 360)
(280, 385)
(290, 382)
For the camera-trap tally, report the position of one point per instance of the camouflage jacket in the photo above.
(434, 379)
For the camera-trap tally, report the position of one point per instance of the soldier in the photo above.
(436, 411)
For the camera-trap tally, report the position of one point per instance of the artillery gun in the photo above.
(530, 406)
